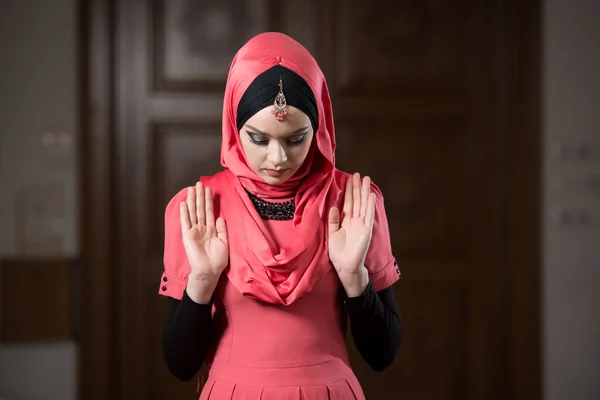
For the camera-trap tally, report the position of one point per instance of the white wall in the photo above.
(37, 94)
(571, 229)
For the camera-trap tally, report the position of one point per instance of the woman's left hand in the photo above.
(349, 241)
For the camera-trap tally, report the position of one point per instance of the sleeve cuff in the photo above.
(386, 276)
(172, 286)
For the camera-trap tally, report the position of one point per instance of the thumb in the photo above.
(221, 229)
(334, 220)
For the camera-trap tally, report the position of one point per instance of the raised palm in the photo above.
(204, 239)
(349, 241)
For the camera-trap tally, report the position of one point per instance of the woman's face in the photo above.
(276, 149)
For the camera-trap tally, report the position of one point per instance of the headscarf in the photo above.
(316, 187)
(258, 55)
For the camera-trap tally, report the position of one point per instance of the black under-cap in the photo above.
(263, 90)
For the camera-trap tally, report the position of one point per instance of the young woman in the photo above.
(265, 260)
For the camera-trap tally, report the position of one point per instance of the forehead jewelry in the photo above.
(280, 104)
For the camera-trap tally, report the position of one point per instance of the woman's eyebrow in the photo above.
(297, 131)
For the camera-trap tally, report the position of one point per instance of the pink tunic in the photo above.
(266, 351)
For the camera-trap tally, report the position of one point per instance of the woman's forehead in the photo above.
(295, 122)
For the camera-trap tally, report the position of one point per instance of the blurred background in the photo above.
(479, 120)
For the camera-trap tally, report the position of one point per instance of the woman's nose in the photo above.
(276, 154)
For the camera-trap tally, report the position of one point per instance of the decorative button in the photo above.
(164, 288)
(397, 270)
(395, 263)
(165, 279)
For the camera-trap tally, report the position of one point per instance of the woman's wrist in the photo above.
(354, 282)
(201, 288)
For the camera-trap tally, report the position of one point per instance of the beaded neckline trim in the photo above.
(277, 211)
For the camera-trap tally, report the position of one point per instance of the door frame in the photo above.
(521, 98)
(97, 379)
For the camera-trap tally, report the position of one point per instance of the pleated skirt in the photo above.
(331, 380)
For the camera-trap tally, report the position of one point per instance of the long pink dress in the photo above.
(265, 351)
(262, 350)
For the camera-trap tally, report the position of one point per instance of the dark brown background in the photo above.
(436, 100)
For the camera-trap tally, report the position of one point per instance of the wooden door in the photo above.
(424, 97)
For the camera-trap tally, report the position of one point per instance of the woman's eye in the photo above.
(258, 140)
(295, 141)
(262, 141)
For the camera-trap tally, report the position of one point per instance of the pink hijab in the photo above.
(317, 186)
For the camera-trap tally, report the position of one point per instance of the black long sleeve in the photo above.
(374, 321)
(376, 326)
(186, 336)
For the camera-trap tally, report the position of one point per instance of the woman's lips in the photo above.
(275, 172)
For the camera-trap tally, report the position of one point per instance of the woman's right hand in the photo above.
(205, 243)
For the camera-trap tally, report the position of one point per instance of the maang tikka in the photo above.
(280, 109)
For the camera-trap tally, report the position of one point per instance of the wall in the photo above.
(571, 200)
(37, 95)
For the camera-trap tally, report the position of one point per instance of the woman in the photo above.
(261, 266)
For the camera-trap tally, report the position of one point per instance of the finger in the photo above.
(370, 215)
(356, 195)
(191, 205)
(334, 220)
(347, 201)
(221, 229)
(210, 213)
(184, 217)
(200, 212)
(365, 191)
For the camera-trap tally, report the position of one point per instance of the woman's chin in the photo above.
(274, 180)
